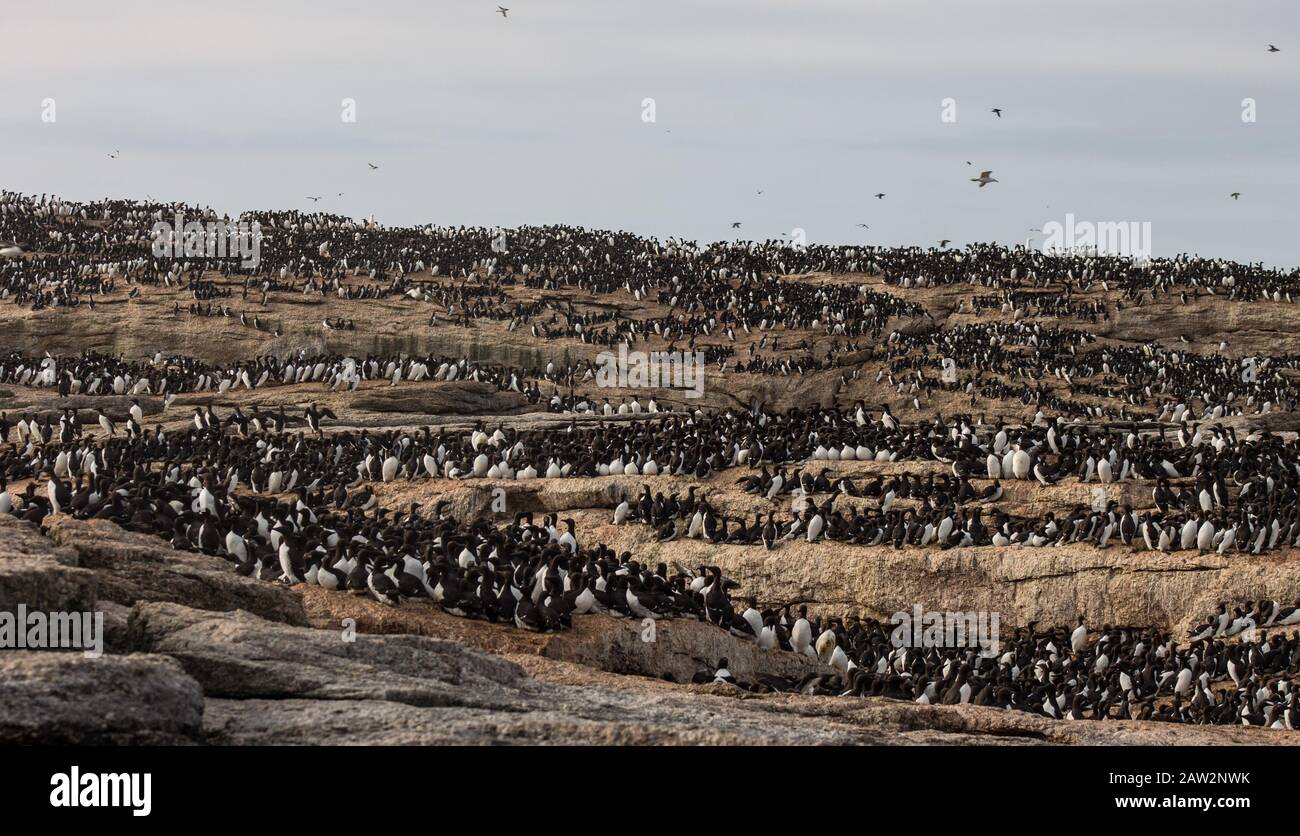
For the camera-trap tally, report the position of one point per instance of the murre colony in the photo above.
(934, 390)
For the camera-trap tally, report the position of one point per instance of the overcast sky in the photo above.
(1113, 111)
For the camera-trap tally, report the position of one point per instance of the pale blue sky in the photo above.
(1114, 111)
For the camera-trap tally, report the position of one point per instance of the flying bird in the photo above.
(114, 155)
(309, 197)
(864, 226)
(997, 111)
(943, 242)
(373, 167)
(11, 249)
(501, 10)
(1272, 48)
(1235, 195)
(879, 195)
(984, 179)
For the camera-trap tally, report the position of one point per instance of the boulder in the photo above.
(675, 648)
(135, 567)
(239, 655)
(57, 698)
(35, 573)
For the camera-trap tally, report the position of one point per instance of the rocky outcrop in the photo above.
(458, 397)
(1117, 585)
(367, 673)
(242, 656)
(116, 407)
(68, 699)
(134, 567)
(36, 574)
(272, 683)
(675, 648)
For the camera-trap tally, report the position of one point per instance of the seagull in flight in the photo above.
(114, 155)
(943, 242)
(501, 10)
(984, 179)
(864, 226)
(317, 198)
(1272, 48)
(735, 224)
(880, 195)
(1235, 195)
(997, 111)
(373, 167)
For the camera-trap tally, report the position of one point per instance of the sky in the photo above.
(1111, 111)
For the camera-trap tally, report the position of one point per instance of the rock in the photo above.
(117, 407)
(135, 567)
(457, 397)
(240, 655)
(473, 499)
(632, 712)
(676, 647)
(1117, 585)
(269, 682)
(36, 574)
(563, 716)
(54, 698)
(24, 539)
(250, 680)
(273, 683)
(116, 622)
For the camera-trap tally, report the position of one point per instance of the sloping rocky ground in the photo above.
(196, 654)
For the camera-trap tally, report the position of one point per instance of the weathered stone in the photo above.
(273, 683)
(135, 567)
(68, 699)
(116, 623)
(24, 539)
(458, 397)
(240, 655)
(1117, 585)
(673, 647)
(36, 574)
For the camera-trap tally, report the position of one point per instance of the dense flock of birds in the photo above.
(289, 498)
(735, 302)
